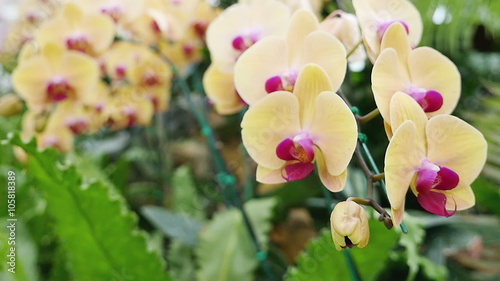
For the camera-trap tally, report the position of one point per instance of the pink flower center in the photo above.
(78, 42)
(58, 89)
(243, 42)
(114, 11)
(120, 71)
(432, 182)
(298, 154)
(151, 79)
(200, 27)
(283, 82)
(77, 125)
(384, 26)
(429, 100)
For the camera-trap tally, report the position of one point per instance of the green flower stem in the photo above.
(354, 49)
(228, 181)
(368, 117)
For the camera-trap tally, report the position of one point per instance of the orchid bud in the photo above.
(10, 104)
(349, 224)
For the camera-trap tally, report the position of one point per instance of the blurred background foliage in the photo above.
(146, 199)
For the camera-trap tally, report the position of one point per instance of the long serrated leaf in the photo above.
(225, 251)
(96, 229)
(185, 198)
(322, 262)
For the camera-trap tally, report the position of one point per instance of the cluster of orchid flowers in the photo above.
(287, 67)
(84, 65)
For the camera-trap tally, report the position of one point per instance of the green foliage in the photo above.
(174, 225)
(185, 198)
(487, 195)
(97, 231)
(225, 251)
(323, 262)
(415, 260)
(180, 259)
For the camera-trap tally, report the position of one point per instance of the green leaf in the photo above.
(415, 261)
(322, 262)
(173, 225)
(185, 197)
(225, 251)
(97, 230)
(487, 195)
(181, 261)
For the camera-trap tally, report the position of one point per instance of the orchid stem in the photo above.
(228, 181)
(354, 49)
(368, 117)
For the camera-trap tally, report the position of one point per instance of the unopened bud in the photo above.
(10, 104)
(349, 224)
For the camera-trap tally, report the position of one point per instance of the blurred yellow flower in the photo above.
(349, 226)
(76, 30)
(273, 63)
(439, 158)
(55, 75)
(287, 133)
(345, 27)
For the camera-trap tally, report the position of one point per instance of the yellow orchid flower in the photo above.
(273, 63)
(240, 26)
(56, 75)
(127, 108)
(49, 130)
(345, 27)
(423, 73)
(439, 158)
(220, 89)
(349, 225)
(75, 30)
(376, 16)
(286, 133)
(120, 11)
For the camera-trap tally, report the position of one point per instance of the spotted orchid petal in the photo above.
(454, 144)
(334, 131)
(402, 160)
(267, 123)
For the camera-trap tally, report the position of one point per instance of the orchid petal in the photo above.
(267, 123)
(388, 77)
(326, 51)
(266, 59)
(301, 25)
(402, 108)
(269, 176)
(333, 183)
(311, 82)
(220, 89)
(454, 144)
(435, 202)
(82, 73)
(396, 37)
(449, 179)
(29, 80)
(297, 171)
(431, 70)
(284, 150)
(425, 180)
(461, 197)
(401, 163)
(334, 131)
